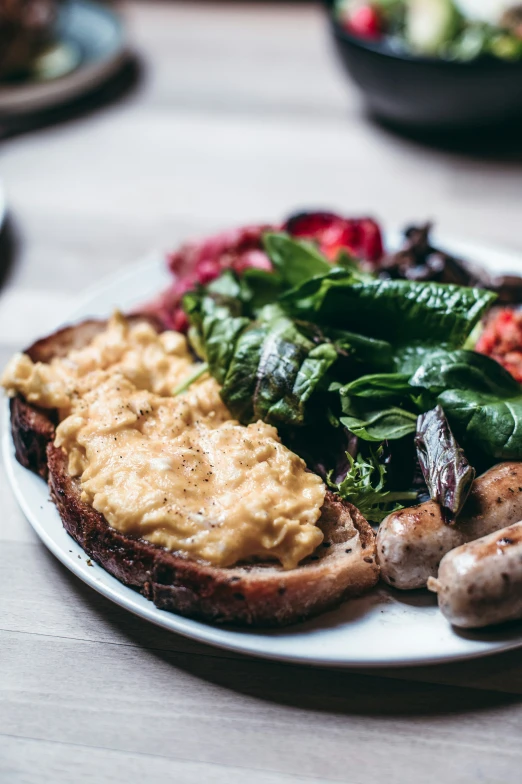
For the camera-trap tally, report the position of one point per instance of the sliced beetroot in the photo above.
(222, 250)
(252, 259)
(203, 261)
(166, 307)
(242, 248)
(359, 236)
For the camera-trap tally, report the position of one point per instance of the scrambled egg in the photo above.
(174, 470)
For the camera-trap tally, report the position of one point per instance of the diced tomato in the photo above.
(364, 21)
(502, 340)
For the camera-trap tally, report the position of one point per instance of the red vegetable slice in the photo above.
(364, 21)
(242, 248)
(502, 339)
(360, 237)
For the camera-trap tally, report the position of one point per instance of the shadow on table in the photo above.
(123, 82)
(9, 248)
(454, 689)
(501, 143)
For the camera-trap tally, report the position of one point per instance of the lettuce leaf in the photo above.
(364, 487)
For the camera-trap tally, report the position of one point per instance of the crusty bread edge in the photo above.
(246, 595)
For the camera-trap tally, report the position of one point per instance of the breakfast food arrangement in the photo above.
(300, 414)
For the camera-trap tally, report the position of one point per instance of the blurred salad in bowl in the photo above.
(449, 29)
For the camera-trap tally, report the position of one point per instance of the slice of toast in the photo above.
(261, 594)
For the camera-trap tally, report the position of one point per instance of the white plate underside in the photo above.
(384, 628)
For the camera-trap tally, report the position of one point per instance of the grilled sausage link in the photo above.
(480, 583)
(412, 542)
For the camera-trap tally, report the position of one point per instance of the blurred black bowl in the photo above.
(430, 93)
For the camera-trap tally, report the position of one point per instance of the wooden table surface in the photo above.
(241, 114)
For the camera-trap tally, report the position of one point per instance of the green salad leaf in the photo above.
(368, 352)
(488, 424)
(333, 356)
(364, 486)
(462, 369)
(399, 311)
(296, 261)
(268, 367)
(378, 424)
(218, 323)
(378, 386)
(274, 371)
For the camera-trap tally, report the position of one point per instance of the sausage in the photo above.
(480, 583)
(412, 542)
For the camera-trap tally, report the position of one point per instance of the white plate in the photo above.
(91, 37)
(384, 628)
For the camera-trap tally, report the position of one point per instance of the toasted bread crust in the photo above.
(252, 594)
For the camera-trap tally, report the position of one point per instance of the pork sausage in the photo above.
(412, 542)
(480, 583)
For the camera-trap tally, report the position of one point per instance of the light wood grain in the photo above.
(258, 716)
(31, 761)
(242, 114)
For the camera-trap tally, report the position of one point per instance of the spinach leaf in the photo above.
(379, 407)
(296, 261)
(447, 473)
(268, 368)
(259, 288)
(217, 323)
(378, 424)
(227, 288)
(379, 386)
(364, 487)
(410, 356)
(464, 370)
(377, 354)
(399, 311)
(274, 371)
(484, 422)
(482, 401)
(247, 294)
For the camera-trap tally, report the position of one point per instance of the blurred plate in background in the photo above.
(89, 48)
(2, 205)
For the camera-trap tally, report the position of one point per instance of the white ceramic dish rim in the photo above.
(324, 641)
